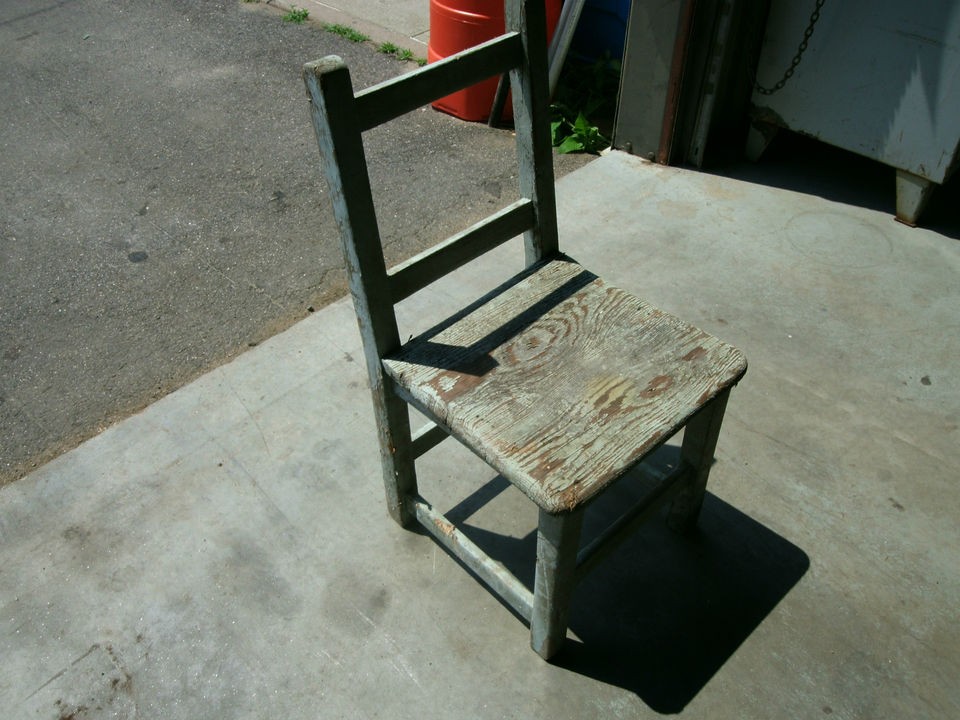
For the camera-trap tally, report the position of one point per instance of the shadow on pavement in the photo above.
(805, 165)
(663, 613)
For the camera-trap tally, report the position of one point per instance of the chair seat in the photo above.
(561, 382)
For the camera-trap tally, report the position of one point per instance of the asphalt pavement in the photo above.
(162, 208)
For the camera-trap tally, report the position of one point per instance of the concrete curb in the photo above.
(323, 14)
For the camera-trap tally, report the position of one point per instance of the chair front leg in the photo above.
(558, 540)
(699, 444)
(396, 454)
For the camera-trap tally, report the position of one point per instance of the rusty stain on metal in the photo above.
(675, 80)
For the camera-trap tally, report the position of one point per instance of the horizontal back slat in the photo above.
(430, 265)
(395, 97)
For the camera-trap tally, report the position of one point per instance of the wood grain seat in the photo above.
(561, 382)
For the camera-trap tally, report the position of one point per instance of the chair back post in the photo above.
(344, 163)
(337, 126)
(531, 99)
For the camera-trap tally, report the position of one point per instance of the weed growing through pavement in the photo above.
(388, 48)
(346, 32)
(296, 15)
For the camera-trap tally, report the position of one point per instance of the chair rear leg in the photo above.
(699, 445)
(558, 540)
(396, 455)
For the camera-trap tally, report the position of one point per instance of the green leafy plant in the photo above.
(576, 135)
(346, 32)
(584, 105)
(296, 15)
(388, 48)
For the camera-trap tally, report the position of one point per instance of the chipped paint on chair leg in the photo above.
(558, 539)
(396, 453)
(699, 443)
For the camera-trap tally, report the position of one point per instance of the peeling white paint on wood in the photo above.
(562, 382)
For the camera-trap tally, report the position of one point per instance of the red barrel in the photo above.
(456, 25)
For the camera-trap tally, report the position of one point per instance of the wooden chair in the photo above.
(559, 381)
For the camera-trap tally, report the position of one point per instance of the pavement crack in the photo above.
(292, 528)
(263, 437)
(58, 674)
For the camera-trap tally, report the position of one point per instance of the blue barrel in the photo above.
(602, 29)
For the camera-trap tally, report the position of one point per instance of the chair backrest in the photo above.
(340, 118)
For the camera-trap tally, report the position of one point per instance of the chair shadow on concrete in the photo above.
(664, 612)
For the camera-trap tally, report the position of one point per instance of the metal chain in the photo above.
(807, 34)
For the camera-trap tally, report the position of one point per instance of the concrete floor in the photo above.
(225, 553)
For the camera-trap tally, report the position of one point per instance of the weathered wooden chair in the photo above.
(559, 381)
